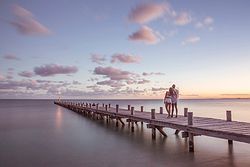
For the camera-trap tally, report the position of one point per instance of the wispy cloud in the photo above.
(144, 81)
(158, 89)
(191, 40)
(152, 73)
(146, 35)
(76, 83)
(111, 83)
(123, 58)
(26, 74)
(11, 57)
(26, 24)
(99, 59)
(207, 22)
(182, 18)
(1, 77)
(144, 13)
(54, 69)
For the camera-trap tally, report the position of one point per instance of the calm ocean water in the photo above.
(39, 133)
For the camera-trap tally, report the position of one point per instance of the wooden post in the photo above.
(89, 105)
(185, 112)
(132, 110)
(107, 117)
(153, 129)
(132, 122)
(128, 107)
(229, 119)
(109, 105)
(152, 113)
(141, 111)
(190, 118)
(116, 110)
(190, 135)
(161, 110)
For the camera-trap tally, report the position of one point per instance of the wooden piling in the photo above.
(185, 112)
(132, 122)
(109, 105)
(161, 110)
(128, 107)
(116, 110)
(141, 111)
(190, 135)
(229, 119)
(153, 129)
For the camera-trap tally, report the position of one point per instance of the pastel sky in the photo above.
(124, 48)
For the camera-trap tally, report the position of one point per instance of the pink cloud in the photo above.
(26, 74)
(147, 12)
(54, 69)
(152, 73)
(158, 89)
(26, 24)
(76, 83)
(125, 58)
(207, 22)
(144, 81)
(113, 73)
(191, 40)
(145, 34)
(111, 83)
(183, 18)
(11, 57)
(1, 77)
(96, 58)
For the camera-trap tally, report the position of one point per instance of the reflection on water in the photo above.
(29, 137)
(59, 118)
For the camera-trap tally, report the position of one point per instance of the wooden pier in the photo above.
(188, 125)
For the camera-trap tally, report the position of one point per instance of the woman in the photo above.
(168, 101)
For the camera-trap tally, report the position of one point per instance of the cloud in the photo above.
(76, 83)
(207, 22)
(1, 77)
(123, 58)
(235, 94)
(158, 89)
(183, 18)
(113, 73)
(152, 73)
(191, 40)
(11, 57)
(111, 83)
(54, 69)
(144, 81)
(26, 24)
(147, 12)
(26, 74)
(145, 34)
(99, 59)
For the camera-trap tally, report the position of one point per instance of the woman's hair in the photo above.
(171, 91)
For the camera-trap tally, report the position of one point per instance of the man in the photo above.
(174, 98)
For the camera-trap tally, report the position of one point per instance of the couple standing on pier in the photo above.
(170, 100)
